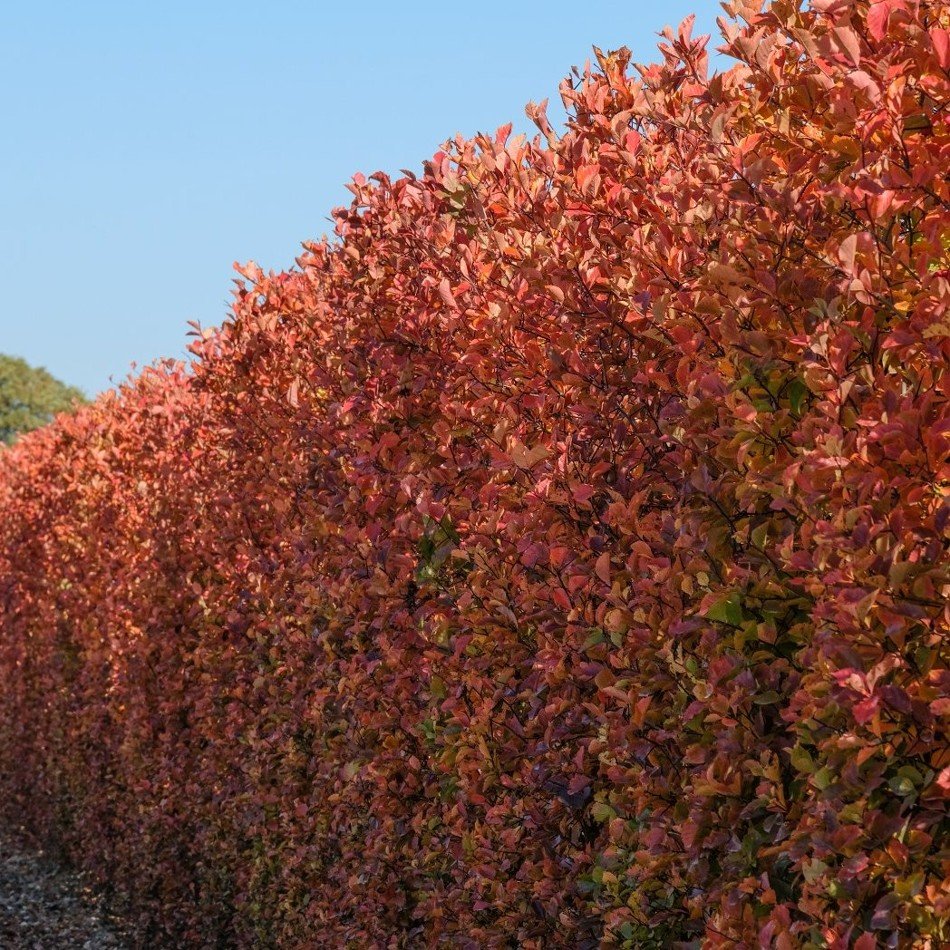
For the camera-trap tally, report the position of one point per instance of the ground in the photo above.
(44, 906)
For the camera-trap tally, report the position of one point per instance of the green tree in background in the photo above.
(30, 397)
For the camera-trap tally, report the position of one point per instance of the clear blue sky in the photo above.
(147, 146)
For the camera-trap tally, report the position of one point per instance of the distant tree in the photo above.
(30, 397)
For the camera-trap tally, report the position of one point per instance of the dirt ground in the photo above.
(46, 907)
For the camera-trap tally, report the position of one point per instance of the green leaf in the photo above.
(802, 760)
(728, 610)
(760, 535)
(902, 785)
(797, 391)
(595, 637)
(823, 778)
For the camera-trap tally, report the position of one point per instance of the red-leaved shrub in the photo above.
(556, 558)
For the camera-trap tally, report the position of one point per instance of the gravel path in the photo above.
(44, 907)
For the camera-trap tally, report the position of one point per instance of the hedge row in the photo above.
(555, 557)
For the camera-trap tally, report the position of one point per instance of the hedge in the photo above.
(555, 557)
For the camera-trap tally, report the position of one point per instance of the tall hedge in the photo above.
(557, 557)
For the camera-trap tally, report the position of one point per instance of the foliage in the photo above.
(30, 397)
(557, 558)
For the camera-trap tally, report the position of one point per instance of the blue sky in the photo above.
(147, 146)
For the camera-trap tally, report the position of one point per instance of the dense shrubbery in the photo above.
(556, 559)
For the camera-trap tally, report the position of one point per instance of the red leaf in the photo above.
(878, 16)
(941, 42)
(445, 292)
